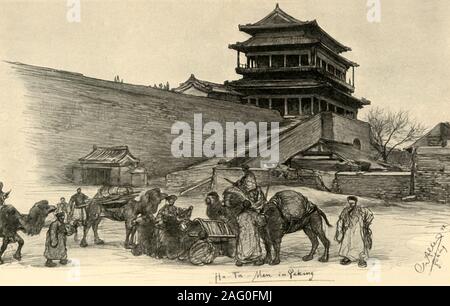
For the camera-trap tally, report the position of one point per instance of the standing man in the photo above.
(166, 215)
(354, 234)
(248, 248)
(55, 243)
(63, 206)
(77, 204)
(168, 210)
(247, 183)
(249, 186)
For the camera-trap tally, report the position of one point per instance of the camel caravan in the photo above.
(239, 225)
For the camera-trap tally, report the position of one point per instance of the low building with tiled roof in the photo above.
(200, 88)
(114, 166)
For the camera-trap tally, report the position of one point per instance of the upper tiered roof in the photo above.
(272, 30)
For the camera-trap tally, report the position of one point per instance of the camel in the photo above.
(11, 222)
(146, 205)
(286, 212)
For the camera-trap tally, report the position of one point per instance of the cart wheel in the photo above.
(202, 252)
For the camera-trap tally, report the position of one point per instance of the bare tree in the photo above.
(391, 130)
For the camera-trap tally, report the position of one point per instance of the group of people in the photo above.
(68, 216)
(353, 231)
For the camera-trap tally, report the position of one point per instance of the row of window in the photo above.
(300, 106)
(292, 60)
(331, 69)
(278, 61)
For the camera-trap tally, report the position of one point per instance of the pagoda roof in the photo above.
(109, 155)
(205, 86)
(298, 84)
(266, 41)
(278, 83)
(279, 20)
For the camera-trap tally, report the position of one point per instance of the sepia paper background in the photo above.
(404, 64)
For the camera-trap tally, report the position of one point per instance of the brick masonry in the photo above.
(432, 174)
(385, 185)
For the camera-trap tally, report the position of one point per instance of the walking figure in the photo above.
(248, 249)
(354, 234)
(78, 204)
(55, 243)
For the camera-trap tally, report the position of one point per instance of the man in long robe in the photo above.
(55, 243)
(165, 220)
(354, 234)
(248, 249)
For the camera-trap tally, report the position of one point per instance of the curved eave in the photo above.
(186, 86)
(253, 29)
(243, 48)
(340, 57)
(342, 46)
(360, 102)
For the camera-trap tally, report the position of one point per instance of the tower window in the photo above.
(331, 69)
(293, 106)
(306, 106)
(304, 60)
(263, 102)
(262, 61)
(278, 105)
(323, 105)
(277, 61)
(292, 61)
(357, 144)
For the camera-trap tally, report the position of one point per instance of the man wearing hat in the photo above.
(55, 243)
(354, 234)
(249, 186)
(77, 205)
(168, 210)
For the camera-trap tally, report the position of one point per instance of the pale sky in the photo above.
(405, 59)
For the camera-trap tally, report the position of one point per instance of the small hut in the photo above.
(113, 166)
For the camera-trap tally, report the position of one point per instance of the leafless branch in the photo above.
(391, 130)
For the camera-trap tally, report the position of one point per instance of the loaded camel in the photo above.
(146, 205)
(286, 212)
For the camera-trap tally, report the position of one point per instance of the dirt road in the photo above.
(402, 233)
